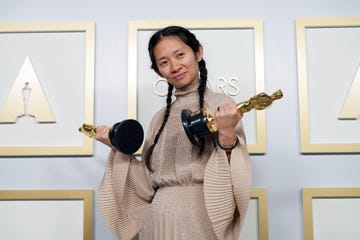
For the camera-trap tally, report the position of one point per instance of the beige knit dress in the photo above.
(186, 196)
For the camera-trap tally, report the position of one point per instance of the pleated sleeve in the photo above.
(227, 189)
(124, 195)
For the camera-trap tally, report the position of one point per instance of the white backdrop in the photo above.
(282, 170)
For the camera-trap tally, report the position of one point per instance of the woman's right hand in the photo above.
(102, 135)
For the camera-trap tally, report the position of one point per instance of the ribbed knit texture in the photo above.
(124, 195)
(202, 197)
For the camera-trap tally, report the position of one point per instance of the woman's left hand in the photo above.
(102, 135)
(226, 118)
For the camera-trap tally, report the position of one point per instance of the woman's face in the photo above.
(177, 62)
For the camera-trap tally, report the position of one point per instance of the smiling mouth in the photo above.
(179, 76)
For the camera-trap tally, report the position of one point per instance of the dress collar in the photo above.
(180, 92)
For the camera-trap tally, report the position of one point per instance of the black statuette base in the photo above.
(195, 125)
(127, 136)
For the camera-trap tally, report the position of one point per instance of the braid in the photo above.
(157, 136)
(201, 91)
(203, 80)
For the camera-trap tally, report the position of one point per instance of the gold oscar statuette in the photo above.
(127, 136)
(88, 129)
(203, 122)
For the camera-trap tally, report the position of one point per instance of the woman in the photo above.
(180, 191)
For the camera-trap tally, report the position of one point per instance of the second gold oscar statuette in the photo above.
(203, 122)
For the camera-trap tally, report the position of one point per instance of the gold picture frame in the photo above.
(253, 27)
(260, 196)
(320, 60)
(311, 194)
(61, 57)
(16, 200)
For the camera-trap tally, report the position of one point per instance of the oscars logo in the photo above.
(34, 104)
(351, 108)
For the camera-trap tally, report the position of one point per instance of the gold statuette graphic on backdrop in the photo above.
(203, 122)
(127, 136)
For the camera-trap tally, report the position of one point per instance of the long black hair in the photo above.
(189, 39)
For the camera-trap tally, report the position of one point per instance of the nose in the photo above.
(175, 66)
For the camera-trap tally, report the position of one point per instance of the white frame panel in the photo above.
(324, 57)
(63, 58)
(251, 86)
(53, 207)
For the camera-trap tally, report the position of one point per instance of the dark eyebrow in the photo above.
(179, 50)
(174, 52)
